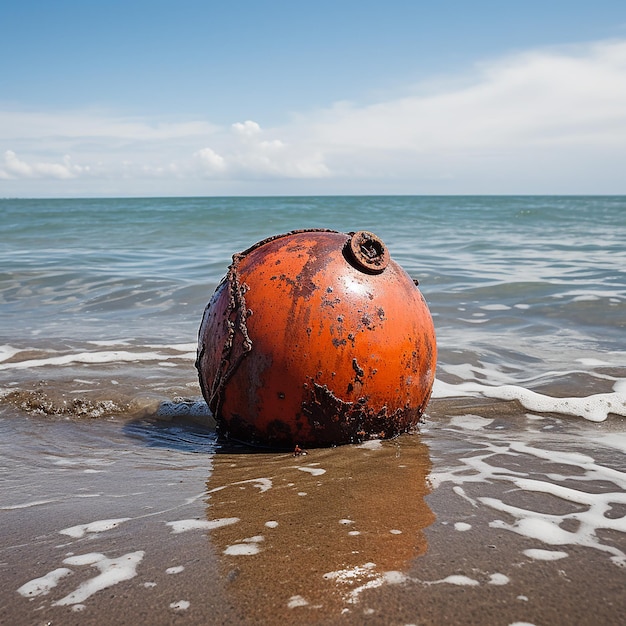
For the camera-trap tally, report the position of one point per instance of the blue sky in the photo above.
(204, 98)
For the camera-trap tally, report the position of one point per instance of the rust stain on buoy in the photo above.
(316, 338)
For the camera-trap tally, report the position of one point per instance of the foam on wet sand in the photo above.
(112, 572)
(537, 500)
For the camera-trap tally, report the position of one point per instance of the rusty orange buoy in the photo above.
(316, 338)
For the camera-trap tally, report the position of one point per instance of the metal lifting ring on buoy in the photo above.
(368, 252)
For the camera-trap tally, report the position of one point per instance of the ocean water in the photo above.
(100, 304)
(525, 291)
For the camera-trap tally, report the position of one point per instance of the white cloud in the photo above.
(247, 128)
(72, 125)
(542, 121)
(534, 99)
(210, 161)
(13, 167)
(547, 121)
(250, 152)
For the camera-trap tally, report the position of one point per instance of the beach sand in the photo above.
(490, 515)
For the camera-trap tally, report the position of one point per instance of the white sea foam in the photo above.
(41, 586)
(495, 307)
(355, 580)
(457, 579)
(470, 422)
(296, 601)
(620, 386)
(589, 515)
(183, 525)
(586, 298)
(242, 549)
(612, 440)
(178, 347)
(107, 356)
(181, 605)
(350, 573)
(360, 578)
(593, 362)
(394, 578)
(6, 352)
(499, 579)
(25, 505)
(263, 484)
(386, 578)
(545, 555)
(112, 572)
(93, 527)
(595, 408)
(314, 471)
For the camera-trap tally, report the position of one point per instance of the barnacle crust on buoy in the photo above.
(316, 338)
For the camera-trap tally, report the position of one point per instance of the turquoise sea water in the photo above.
(507, 507)
(523, 290)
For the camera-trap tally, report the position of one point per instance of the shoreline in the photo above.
(478, 519)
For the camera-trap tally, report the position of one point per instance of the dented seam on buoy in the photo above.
(228, 365)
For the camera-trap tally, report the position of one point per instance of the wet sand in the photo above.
(490, 515)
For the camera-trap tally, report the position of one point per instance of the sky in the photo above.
(200, 98)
